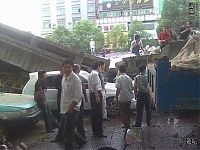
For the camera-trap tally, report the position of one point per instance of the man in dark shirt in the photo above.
(185, 31)
(58, 86)
(40, 98)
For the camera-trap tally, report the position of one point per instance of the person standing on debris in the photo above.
(164, 37)
(71, 97)
(124, 95)
(136, 45)
(102, 78)
(185, 30)
(95, 89)
(142, 97)
(92, 47)
(79, 121)
(40, 98)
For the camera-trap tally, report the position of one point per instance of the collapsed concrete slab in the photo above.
(33, 53)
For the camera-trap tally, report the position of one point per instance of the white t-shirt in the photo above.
(92, 44)
(94, 79)
(71, 91)
(125, 85)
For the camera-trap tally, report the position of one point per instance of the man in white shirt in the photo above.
(95, 88)
(92, 47)
(136, 45)
(71, 97)
(124, 95)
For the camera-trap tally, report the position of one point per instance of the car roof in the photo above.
(49, 73)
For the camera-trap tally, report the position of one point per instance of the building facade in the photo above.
(65, 13)
(112, 12)
(105, 13)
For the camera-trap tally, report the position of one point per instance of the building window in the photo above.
(134, 13)
(104, 14)
(60, 11)
(46, 24)
(60, 1)
(116, 14)
(45, 1)
(91, 8)
(46, 12)
(61, 22)
(76, 10)
(148, 11)
(149, 26)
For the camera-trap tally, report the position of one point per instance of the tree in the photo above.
(118, 38)
(60, 35)
(80, 37)
(137, 27)
(82, 33)
(174, 13)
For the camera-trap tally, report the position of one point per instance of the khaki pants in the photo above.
(125, 110)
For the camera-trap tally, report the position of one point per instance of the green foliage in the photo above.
(174, 13)
(83, 31)
(60, 35)
(80, 37)
(118, 38)
(137, 27)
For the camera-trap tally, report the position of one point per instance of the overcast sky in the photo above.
(21, 14)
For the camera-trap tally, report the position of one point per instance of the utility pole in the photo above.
(130, 10)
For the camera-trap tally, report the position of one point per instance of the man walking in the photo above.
(94, 84)
(142, 96)
(124, 95)
(70, 104)
(40, 98)
(79, 121)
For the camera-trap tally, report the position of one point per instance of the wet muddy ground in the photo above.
(178, 132)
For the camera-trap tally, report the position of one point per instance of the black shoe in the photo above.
(57, 140)
(106, 119)
(82, 144)
(50, 131)
(100, 136)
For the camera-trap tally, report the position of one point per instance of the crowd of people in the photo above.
(72, 95)
(165, 36)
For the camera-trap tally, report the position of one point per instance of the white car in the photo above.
(51, 93)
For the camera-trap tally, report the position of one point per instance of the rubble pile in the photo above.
(189, 56)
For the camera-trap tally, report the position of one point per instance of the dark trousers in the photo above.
(96, 114)
(69, 131)
(136, 51)
(143, 101)
(60, 134)
(125, 111)
(79, 121)
(47, 116)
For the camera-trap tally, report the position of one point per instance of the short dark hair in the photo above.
(76, 67)
(101, 63)
(95, 65)
(142, 68)
(122, 68)
(41, 73)
(137, 36)
(68, 61)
